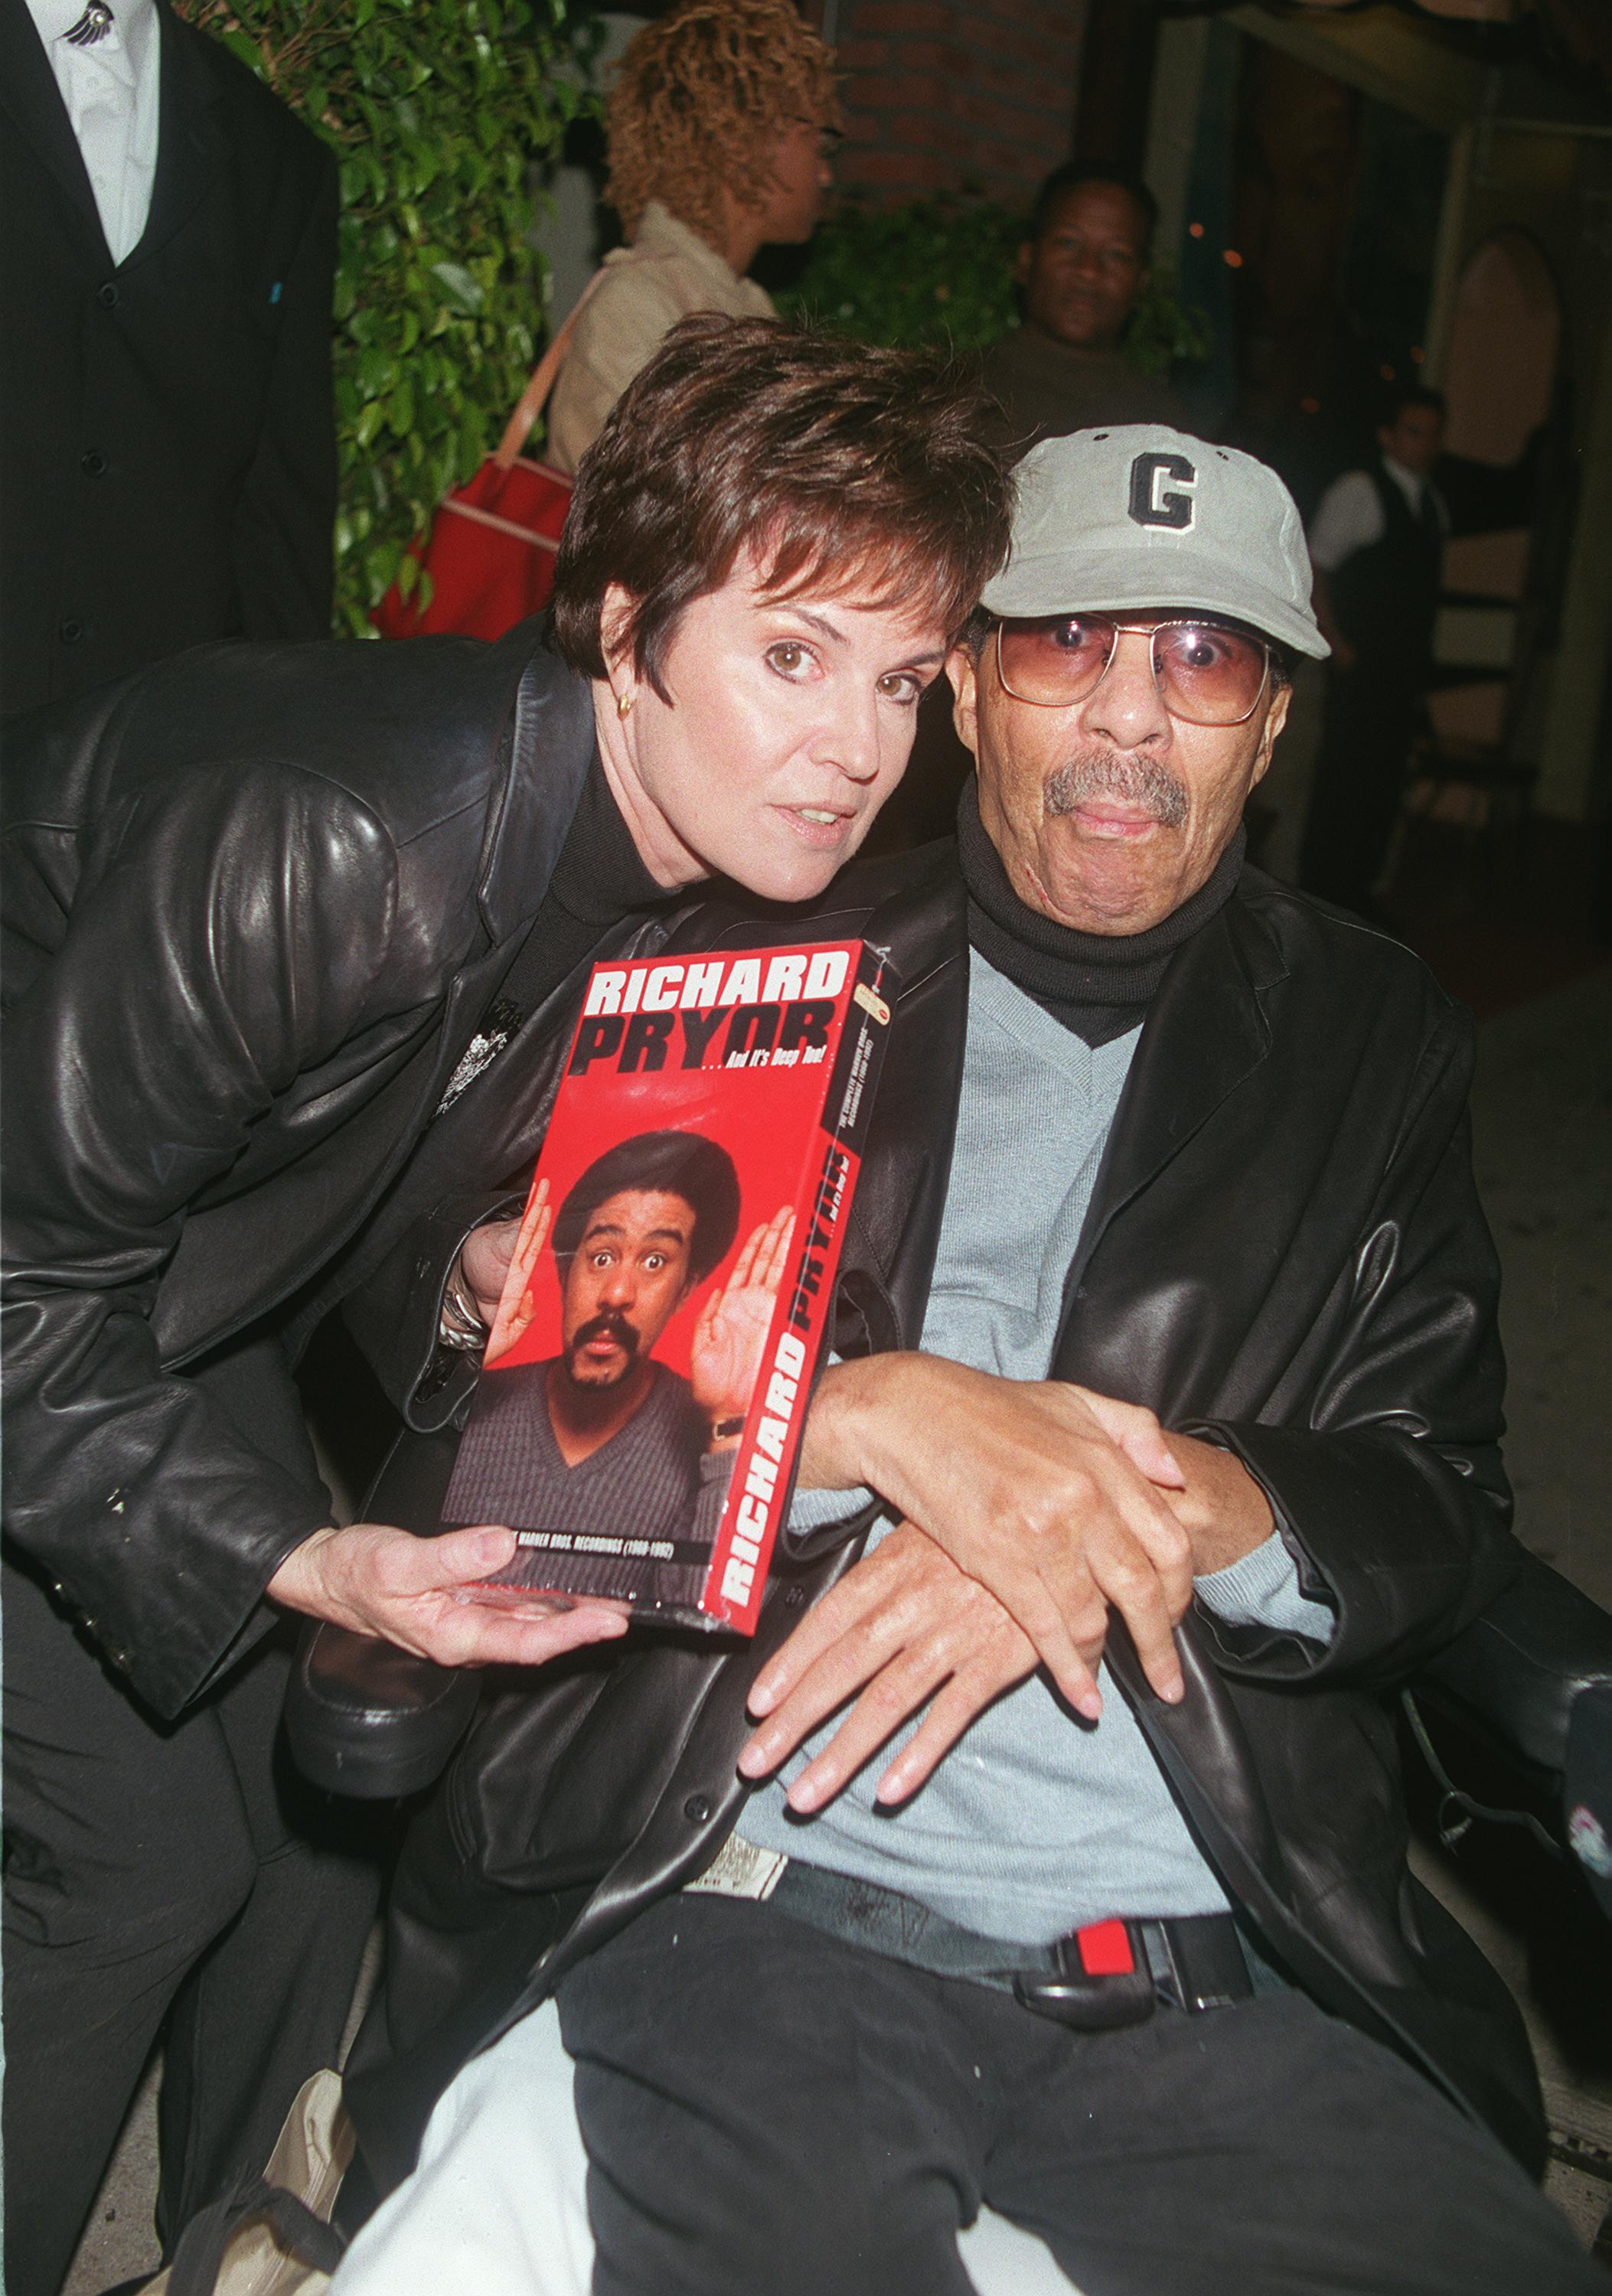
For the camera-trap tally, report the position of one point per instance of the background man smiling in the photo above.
(1082, 268)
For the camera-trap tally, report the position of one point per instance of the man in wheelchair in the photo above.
(1046, 1853)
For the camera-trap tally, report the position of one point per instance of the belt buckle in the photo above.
(1103, 1982)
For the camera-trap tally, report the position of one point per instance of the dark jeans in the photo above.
(772, 2112)
(157, 1873)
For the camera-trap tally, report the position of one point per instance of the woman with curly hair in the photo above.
(717, 130)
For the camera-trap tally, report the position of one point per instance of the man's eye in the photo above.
(655, 1261)
(1197, 649)
(789, 657)
(599, 1259)
(1071, 637)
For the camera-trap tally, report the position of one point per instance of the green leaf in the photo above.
(459, 288)
(246, 50)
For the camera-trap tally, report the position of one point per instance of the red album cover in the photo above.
(640, 1406)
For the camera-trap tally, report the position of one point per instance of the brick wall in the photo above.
(944, 95)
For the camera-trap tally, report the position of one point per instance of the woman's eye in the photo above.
(788, 657)
(900, 685)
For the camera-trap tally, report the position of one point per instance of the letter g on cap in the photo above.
(1154, 504)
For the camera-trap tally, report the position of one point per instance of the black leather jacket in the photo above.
(1284, 1251)
(256, 902)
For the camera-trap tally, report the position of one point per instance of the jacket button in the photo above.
(94, 464)
(107, 296)
(71, 632)
(697, 1809)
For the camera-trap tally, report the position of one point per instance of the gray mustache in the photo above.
(1134, 780)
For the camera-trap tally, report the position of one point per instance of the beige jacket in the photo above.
(668, 272)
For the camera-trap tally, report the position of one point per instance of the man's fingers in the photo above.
(1062, 1616)
(1140, 1599)
(894, 1695)
(745, 1261)
(1121, 1501)
(1060, 1656)
(776, 1253)
(843, 1607)
(825, 1673)
(534, 1227)
(1137, 1432)
(962, 1700)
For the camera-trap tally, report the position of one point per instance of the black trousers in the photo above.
(770, 2111)
(1372, 712)
(171, 1879)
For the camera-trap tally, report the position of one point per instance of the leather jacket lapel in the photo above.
(1204, 1035)
(888, 1256)
(550, 749)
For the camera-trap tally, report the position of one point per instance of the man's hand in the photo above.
(725, 1351)
(412, 1592)
(1041, 1491)
(491, 1257)
(903, 1627)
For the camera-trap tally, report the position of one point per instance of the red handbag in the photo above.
(490, 549)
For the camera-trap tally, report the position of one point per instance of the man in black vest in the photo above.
(1377, 546)
(168, 460)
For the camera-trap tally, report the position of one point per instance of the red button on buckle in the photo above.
(1104, 1949)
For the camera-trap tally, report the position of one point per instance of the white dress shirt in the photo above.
(111, 90)
(1349, 516)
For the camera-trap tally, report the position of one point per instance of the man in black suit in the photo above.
(166, 457)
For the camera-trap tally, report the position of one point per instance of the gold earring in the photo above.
(624, 702)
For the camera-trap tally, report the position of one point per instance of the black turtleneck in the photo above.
(597, 881)
(1099, 985)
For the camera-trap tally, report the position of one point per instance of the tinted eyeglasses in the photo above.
(1205, 674)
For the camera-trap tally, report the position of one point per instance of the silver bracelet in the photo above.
(458, 1324)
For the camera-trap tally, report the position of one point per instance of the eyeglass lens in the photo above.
(1207, 675)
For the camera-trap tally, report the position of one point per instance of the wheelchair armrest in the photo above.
(1519, 1668)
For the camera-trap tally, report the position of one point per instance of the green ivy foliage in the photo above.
(436, 110)
(940, 271)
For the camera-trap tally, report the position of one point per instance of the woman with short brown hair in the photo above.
(274, 912)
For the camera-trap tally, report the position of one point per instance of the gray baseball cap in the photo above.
(1140, 516)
